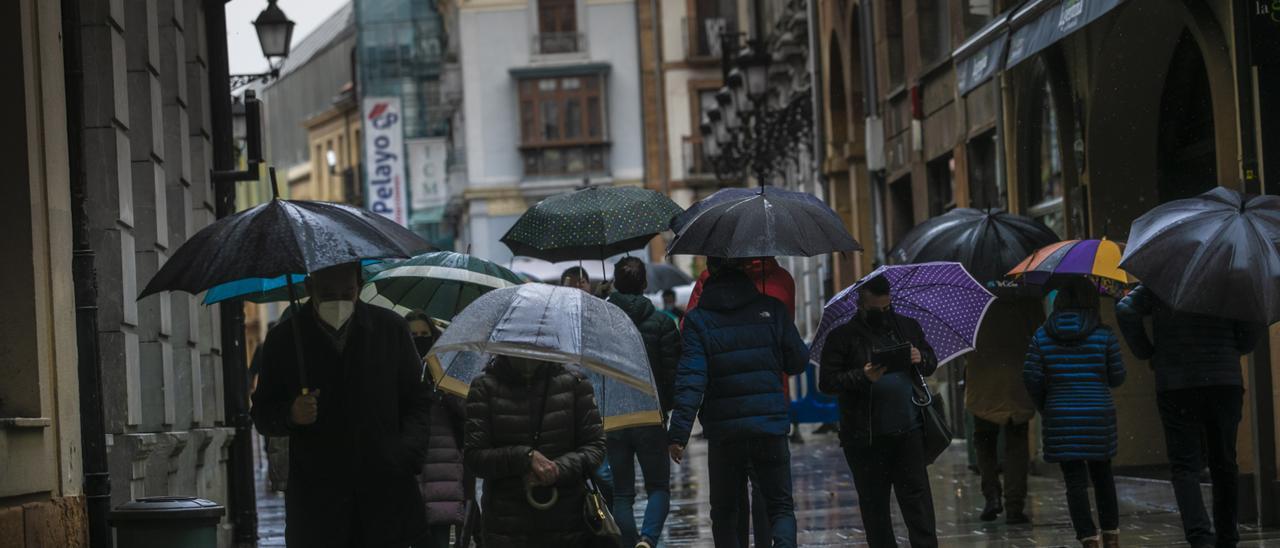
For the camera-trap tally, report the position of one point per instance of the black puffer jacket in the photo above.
(498, 435)
(443, 482)
(661, 341)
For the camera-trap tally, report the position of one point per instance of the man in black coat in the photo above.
(357, 426)
(1200, 395)
(881, 428)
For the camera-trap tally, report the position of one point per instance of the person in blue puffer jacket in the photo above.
(737, 345)
(1072, 364)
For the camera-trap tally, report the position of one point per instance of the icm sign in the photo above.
(384, 158)
(428, 177)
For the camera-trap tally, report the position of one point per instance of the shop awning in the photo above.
(982, 55)
(1043, 22)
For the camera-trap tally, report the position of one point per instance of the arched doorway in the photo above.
(1186, 157)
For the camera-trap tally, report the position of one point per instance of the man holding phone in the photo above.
(873, 364)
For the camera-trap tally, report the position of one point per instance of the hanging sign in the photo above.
(384, 158)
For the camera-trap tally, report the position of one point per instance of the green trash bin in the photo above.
(167, 522)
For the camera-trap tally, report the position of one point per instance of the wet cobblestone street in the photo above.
(827, 506)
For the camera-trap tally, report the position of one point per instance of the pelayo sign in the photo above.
(384, 158)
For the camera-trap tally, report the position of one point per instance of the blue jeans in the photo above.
(769, 458)
(647, 444)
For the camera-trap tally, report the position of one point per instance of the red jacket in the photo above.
(775, 282)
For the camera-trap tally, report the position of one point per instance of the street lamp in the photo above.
(331, 158)
(275, 36)
(754, 62)
(275, 33)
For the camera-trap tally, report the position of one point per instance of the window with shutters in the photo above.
(557, 27)
(562, 129)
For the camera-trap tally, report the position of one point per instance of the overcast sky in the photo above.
(242, 41)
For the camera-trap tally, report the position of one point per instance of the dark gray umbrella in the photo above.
(282, 237)
(664, 276)
(760, 222)
(1216, 254)
(987, 242)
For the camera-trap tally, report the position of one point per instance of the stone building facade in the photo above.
(148, 146)
(1117, 107)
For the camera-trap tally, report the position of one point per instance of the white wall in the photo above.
(498, 38)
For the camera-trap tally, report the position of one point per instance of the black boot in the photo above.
(992, 509)
(1016, 517)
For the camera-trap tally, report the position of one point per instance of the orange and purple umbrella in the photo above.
(1099, 258)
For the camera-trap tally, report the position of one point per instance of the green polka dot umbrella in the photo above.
(441, 283)
(590, 223)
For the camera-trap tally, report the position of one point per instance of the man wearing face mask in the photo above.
(881, 428)
(358, 426)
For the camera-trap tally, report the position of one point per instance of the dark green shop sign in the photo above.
(1264, 32)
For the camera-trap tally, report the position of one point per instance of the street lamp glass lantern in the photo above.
(275, 32)
(754, 63)
(725, 98)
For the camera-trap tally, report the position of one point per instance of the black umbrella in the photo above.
(278, 239)
(987, 242)
(282, 237)
(760, 222)
(590, 223)
(664, 276)
(1216, 254)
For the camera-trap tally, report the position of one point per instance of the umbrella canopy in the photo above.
(947, 302)
(664, 276)
(987, 242)
(1100, 258)
(278, 238)
(762, 222)
(548, 323)
(274, 290)
(590, 223)
(1216, 254)
(441, 283)
(621, 404)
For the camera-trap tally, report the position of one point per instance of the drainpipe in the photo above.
(240, 487)
(93, 430)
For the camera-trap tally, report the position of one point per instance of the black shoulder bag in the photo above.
(937, 435)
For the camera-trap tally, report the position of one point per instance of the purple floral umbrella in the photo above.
(947, 302)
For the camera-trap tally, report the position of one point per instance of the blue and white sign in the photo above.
(384, 159)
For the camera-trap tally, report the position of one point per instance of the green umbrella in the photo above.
(441, 283)
(591, 223)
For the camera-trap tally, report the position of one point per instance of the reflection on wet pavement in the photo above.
(827, 506)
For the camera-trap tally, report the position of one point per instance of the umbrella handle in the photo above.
(294, 321)
(528, 497)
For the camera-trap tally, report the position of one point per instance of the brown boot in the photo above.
(1091, 542)
(1111, 539)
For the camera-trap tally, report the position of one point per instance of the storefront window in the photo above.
(893, 35)
(1044, 189)
(976, 14)
(935, 31)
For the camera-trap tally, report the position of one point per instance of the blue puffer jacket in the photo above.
(737, 345)
(1189, 350)
(1072, 364)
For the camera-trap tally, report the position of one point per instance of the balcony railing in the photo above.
(553, 43)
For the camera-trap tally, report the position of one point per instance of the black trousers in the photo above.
(1017, 457)
(894, 464)
(1078, 474)
(1204, 421)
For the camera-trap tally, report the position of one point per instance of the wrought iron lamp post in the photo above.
(762, 116)
(275, 35)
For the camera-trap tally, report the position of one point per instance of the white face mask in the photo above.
(335, 313)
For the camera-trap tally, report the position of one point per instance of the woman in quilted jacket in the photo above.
(443, 482)
(1072, 364)
(532, 433)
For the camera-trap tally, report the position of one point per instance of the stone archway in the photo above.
(1128, 83)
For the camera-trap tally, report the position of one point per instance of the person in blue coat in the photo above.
(1072, 364)
(737, 345)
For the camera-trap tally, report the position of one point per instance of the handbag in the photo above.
(595, 512)
(937, 435)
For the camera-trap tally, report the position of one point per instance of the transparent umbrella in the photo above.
(552, 324)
